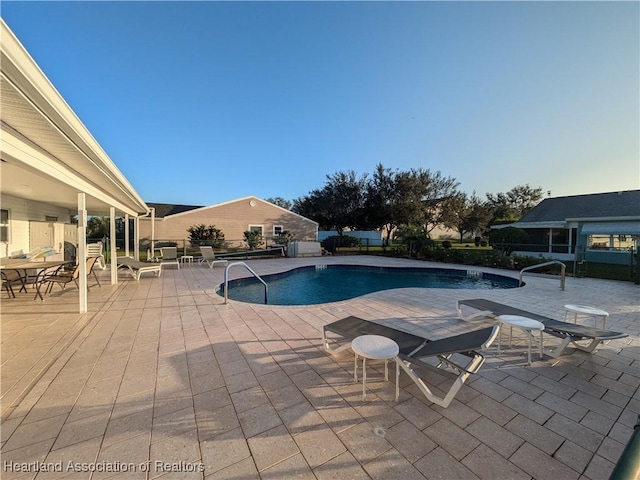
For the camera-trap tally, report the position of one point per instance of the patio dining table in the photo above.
(40, 267)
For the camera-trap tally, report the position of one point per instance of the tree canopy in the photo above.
(390, 199)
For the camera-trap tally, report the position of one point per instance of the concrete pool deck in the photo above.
(162, 380)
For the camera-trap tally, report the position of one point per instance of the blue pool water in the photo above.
(332, 283)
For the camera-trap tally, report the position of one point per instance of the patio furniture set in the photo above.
(42, 274)
(169, 257)
(459, 354)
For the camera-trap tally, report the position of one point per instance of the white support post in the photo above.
(153, 232)
(113, 255)
(82, 252)
(136, 236)
(126, 235)
(550, 240)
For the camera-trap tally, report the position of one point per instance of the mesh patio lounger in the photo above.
(210, 257)
(170, 256)
(568, 332)
(137, 268)
(414, 350)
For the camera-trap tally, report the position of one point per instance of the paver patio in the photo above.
(162, 380)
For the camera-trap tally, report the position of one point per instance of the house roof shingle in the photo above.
(166, 209)
(597, 205)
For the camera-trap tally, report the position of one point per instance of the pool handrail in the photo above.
(553, 262)
(226, 280)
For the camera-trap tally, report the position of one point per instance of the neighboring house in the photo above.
(599, 227)
(52, 168)
(233, 218)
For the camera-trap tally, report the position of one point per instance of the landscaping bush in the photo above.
(283, 238)
(524, 261)
(201, 235)
(164, 244)
(446, 244)
(253, 239)
(508, 239)
(415, 240)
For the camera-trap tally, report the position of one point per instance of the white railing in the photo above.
(226, 280)
(554, 262)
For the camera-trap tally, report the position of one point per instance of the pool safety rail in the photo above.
(226, 280)
(563, 267)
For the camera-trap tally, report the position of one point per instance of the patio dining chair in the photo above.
(63, 278)
(9, 279)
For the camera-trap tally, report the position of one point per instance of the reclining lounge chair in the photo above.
(169, 256)
(210, 257)
(138, 268)
(414, 349)
(568, 332)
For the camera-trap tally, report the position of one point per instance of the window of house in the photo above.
(278, 229)
(256, 228)
(49, 218)
(4, 226)
(611, 242)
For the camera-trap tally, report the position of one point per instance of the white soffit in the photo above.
(47, 153)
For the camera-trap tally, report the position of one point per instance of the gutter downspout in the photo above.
(150, 254)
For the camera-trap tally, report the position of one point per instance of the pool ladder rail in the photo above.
(226, 280)
(553, 262)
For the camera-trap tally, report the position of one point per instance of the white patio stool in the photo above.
(528, 325)
(375, 347)
(588, 311)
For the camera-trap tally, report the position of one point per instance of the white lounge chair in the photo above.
(210, 257)
(568, 332)
(414, 350)
(95, 250)
(137, 268)
(170, 256)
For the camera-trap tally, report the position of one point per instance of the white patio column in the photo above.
(82, 252)
(153, 232)
(550, 240)
(113, 255)
(126, 235)
(136, 236)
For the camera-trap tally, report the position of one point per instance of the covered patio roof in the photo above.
(47, 154)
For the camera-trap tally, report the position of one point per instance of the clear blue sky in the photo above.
(203, 102)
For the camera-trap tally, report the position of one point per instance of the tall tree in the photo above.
(434, 190)
(466, 214)
(346, 193)
(338, 205)
(281, 202)
(512, 205)
(380, 201)
(315, 206)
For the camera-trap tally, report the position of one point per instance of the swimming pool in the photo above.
(331, 283)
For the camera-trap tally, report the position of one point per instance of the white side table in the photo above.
(528, 325)
(375, 347)
(186, 259)
(589, 311)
